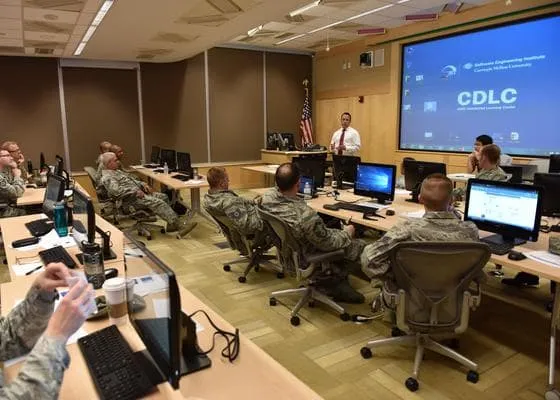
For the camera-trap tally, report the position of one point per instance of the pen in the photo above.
(133, 255)
(33, 270)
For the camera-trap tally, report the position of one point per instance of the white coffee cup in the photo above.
(115, 294)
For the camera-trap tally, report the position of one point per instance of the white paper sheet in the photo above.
(544, 257)
(23, 269)
(147, 284)
(52, 239)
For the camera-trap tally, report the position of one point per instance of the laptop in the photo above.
(302, 181)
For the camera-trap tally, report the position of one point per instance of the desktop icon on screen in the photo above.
(448, 71)
(514, 136)
(406, 107)
(419, 78)
(430, 106)
(468, 66)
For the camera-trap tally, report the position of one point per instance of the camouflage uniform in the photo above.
(10, 189)
(493, 174)
(120, 184)
(242, 212)
(434, 226)
(309, 228)
(41, 374)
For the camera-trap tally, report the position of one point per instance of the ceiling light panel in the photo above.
(103, 10)
(305, 9)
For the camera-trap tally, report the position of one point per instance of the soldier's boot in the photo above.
(186, 228)
(342, 291)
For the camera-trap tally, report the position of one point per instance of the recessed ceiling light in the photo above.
(303, 9)
(96, 21)
(253, 31)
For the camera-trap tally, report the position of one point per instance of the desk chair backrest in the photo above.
(227, 228)
(100, 190)
(434, 277)
(288, 247)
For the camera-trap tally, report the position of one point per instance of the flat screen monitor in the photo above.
(53, 194)
(510, 210)
(416, 171)
(459, 86)
(154, 157)
(516, 172)
(376, 181)
(288, 141)
(272, 141)
(169, 157)
(345, 168)
(155, 313)
(313, 166)
(184, 162)
(83, 217)
(551, 193)
(554, 165)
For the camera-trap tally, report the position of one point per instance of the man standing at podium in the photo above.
(346, 140)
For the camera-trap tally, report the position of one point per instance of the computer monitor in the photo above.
(376, 181)
(510, 210)
(516, 172)
(272, 141)
(168, 333)
(184, 163)
(288, 142)
(53, 194)
(83, 218)
(345, 169)
(554, 164)
(60, 171)
(154, 157)
(169, 157)
(312, 166)
(551, 193)
(416, 171)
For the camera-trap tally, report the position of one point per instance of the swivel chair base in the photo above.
(255, 261)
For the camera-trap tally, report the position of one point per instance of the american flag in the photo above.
(306, 124)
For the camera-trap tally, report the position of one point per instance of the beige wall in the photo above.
(337, 89)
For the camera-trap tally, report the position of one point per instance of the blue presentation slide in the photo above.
(503, 82)
(373, 178)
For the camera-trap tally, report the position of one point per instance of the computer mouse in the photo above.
(516, 255)
(111, 273)
(390, 212)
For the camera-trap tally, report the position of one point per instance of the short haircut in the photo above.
(215, 176)
(436, 192)
(346, 113)
(484, 139)
(105, 146)
(115, 148)
(106, 157)
(287, 175)
(492, 152)
(6, 145)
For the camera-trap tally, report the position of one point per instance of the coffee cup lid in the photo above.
(114, 284)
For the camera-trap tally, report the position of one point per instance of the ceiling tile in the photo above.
(11, 42)
(10, 12)
(370, 20)
(66, 5)
(10, 3)
(79, 30)
(46, 37)
(42, 14)
(92, 6)
(10, 24)
(277, 26)
(367, 5)
(10, 34)
(321, 11)
(397, 11)
(85, 18)
(425, 4)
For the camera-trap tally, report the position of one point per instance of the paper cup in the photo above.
(115, 293)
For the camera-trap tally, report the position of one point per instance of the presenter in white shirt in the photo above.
(346, 140)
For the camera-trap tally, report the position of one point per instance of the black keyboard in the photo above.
(57, 254)
(182, 177)
(112, 365)
(39, 227)
(498, 248)
(350, 207)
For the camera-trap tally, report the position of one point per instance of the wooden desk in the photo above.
(31, 196)
(281, 157)
(268, 170)
(14, 228)
(176, 185)
(254, 375)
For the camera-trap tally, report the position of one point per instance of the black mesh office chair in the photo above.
(432, 299)
(305, 267)
(252, 252)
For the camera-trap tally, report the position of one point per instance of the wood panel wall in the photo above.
(337, 89)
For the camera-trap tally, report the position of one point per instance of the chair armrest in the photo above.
(332, 255)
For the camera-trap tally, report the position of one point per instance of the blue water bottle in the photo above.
(60, 223)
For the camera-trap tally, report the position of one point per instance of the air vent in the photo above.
(50, 27)
(207, 20)
(11, 50)
(44, 52)
(173, 37)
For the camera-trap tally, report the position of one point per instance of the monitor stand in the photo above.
(415, 192)
(507, 242)
(108, 254)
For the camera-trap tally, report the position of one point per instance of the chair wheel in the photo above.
(366, 352)
(411, 384)
(280, 275)
(345, 316)
(227, 268)
(139, 233)
(272, 301)
(242, 279)
(294, 320)
(257, 268)
(395, 332)
(472, 376)
(149, 237)
(162, 230)
(311, 304)
(552, 395)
